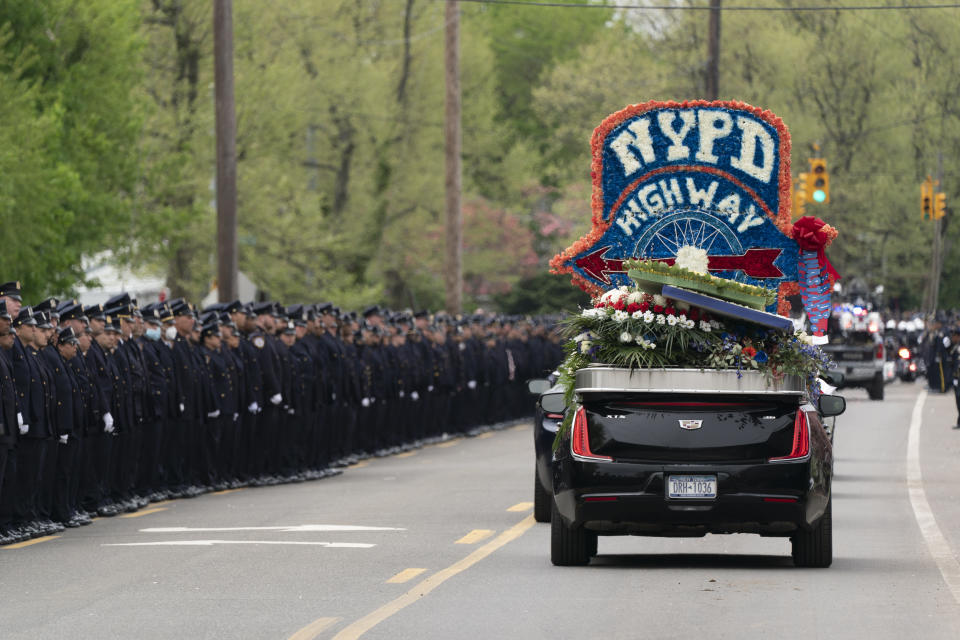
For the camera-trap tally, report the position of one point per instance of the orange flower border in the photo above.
(781, 219)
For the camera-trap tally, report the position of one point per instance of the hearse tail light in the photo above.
(553, 416)
(904, 353)
(801, 439)
(879, 354)
(580, 441)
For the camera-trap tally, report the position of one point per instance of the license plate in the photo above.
(692, 486)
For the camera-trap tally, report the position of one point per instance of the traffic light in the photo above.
(819, 181)
(800, 196)
(939, 206)
(926, 198)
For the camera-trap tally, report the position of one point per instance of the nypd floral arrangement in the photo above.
(705, 179)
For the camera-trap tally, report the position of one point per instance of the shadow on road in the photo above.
(691, 561)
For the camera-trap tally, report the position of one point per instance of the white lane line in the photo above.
(300, 528)
(210, 543)
(937, 545)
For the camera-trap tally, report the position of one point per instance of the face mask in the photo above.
(153, 333)
(171, 333)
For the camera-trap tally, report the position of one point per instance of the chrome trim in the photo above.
(603, 378)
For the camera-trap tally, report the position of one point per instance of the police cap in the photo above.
(25, 318)
(71, 312)
(95, 312)
(119, 300)
(11, 290)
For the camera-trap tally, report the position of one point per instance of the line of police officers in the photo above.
(105, 408)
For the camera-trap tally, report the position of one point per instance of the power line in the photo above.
(568, 5)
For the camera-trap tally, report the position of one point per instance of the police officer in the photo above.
(9, 431)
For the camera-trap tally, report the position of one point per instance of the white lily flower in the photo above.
(637, 315)
(626, 337)
(648, 317)
(620, 316)
(661, 319)
(672, 320)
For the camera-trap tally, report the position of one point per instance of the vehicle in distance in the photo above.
(683, 461)
(858, 353)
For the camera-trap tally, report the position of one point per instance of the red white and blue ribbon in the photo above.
(816, 274)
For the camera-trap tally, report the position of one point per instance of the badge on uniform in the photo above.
(258, 342)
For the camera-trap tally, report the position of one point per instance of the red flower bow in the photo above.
(813, 234)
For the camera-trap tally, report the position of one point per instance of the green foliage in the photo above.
(541, 293)
(69, 124)
(108, 141)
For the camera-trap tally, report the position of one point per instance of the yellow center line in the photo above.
(405, 576)
(521, 506)
(226, 491)
(406, 454)
(484, 436)
(362, 463)
(475, 536)
(449, 443)
(21, 545)
(145, 512)
(162, 502)
(313, 629)
(425, 586)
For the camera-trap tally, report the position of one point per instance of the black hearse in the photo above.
(686, 452)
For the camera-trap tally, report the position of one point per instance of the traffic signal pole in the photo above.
(937, 242)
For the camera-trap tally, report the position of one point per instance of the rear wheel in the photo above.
(815, 548)
(542, 501)
(875, 390)
(569, 546)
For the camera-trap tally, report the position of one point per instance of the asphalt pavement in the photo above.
(441, 543)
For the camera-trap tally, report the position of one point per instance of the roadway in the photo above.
(440, 543)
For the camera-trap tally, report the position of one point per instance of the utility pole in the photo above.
(453, 264)
(226, 150)
(713, 52)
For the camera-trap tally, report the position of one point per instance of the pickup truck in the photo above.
(686, 452)
(859, 356)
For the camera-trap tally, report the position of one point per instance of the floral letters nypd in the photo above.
(694, 178)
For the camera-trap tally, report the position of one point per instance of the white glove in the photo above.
(108, 421)
(365, 402)
(214, 414)
(472, 384)
(236, 417)
(372, 400)
(291, 411)
(24, 428)
(19, 419)
(402, 394)
(64, 438)
(276, 399)
(414, 395)
(333, 396)
(254, 407)
(430, 388)
(181, 407)
(108, 428)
